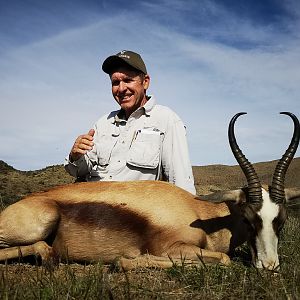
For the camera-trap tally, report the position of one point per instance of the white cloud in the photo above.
(53, 90)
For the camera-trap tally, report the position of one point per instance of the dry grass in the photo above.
(238, 281)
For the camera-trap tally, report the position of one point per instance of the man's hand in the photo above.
(82, 145)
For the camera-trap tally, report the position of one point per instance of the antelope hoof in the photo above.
(225, 260)
(47, 254)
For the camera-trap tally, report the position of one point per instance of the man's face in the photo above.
(129, 89)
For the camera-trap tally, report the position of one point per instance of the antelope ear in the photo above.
(237, 196)
(292, 193)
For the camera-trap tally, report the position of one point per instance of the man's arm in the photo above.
(175, 157)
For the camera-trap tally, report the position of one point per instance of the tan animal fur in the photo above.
(108, 220)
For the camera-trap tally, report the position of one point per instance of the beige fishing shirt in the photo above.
(151, 143)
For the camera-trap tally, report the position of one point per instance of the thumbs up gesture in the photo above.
(82, 145)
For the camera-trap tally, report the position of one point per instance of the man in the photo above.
(141, 141)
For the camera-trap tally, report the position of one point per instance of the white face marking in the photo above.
(267, 241)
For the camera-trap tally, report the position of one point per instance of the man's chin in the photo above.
(126, 105)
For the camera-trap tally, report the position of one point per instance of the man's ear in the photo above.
(146, 82)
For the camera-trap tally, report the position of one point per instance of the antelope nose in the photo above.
(272, 265)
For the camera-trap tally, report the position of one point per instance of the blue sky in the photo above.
(207, 60)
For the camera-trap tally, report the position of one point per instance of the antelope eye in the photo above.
(252, 219)
(279, 221)
(248, 223)
(278, 224)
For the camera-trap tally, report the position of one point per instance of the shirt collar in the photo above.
(149, 105)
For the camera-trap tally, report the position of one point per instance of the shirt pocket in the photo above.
(145, 149)
(104, 147)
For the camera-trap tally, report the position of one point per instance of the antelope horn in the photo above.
(254, 185)
(277, 188)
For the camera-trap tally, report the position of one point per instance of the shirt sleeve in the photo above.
(175, 156)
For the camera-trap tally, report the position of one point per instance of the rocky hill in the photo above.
(15, 184)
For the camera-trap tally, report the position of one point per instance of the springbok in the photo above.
(151, 223)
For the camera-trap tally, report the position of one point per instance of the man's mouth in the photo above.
(125, 98)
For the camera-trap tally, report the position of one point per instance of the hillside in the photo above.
(15, 184)
(216, 177)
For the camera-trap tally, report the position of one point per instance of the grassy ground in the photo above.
(238, 281)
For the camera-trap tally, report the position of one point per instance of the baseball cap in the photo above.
(128, 57)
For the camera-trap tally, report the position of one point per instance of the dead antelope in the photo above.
(151, 223)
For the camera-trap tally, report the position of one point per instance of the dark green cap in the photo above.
(130, 58)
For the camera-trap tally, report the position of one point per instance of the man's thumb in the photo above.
(91, 132)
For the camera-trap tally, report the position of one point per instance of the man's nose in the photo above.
(122, 86)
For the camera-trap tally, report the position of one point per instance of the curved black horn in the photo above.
(254, 185)
(277, 188)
